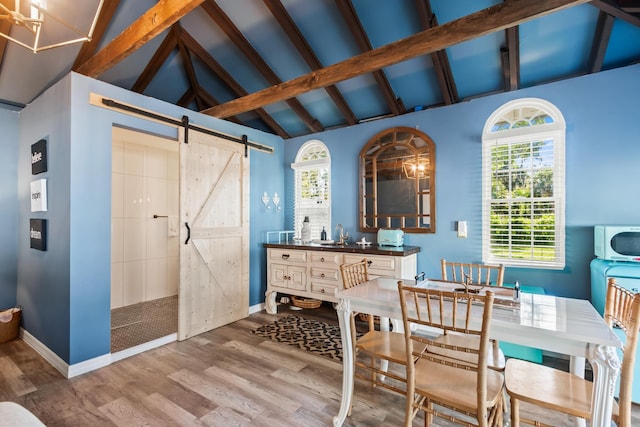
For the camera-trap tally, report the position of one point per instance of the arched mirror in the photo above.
(397, 182)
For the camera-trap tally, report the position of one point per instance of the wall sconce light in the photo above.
(276, 202)
(265, 200)
(415, 169)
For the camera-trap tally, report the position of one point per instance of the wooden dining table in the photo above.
(566, 326)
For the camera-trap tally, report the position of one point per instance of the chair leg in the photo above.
(515, 412)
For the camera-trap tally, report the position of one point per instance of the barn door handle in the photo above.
(186, 224)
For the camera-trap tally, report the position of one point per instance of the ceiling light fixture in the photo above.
(415, 169)
(34, 23)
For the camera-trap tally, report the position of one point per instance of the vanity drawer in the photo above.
(324, 288)
(383, 265)
(287, 255)
(327, 259)
(329, 274)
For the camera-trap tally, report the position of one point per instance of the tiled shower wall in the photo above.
(144, 250)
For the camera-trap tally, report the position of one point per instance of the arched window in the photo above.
(313, 188)
(523, 185)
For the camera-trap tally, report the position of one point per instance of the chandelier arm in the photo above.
(34, 25)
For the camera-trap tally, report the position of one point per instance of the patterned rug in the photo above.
(311, 335)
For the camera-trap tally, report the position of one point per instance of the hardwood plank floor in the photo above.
(225, 377)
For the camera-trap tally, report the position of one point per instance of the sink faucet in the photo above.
(467, 282)
(342, 237)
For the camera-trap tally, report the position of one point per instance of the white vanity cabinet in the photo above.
(313, 271)
(287, 269)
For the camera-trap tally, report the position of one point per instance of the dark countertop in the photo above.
(372, 249)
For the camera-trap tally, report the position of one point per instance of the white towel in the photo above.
(7, 315)
(173, 226)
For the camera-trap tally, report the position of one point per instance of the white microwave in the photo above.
(617, 242)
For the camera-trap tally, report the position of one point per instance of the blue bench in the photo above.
(520, 351)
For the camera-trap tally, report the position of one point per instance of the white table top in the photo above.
(562, 325)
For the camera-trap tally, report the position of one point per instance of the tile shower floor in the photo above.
(136, 324)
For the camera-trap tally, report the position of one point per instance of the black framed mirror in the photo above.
(397, 182)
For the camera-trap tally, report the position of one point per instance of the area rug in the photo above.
(311, 335)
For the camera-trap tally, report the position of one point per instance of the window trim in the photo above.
(299, 166)
(556, 131)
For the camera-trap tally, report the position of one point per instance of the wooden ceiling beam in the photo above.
(167, 46)
(510, 56)
(89, 48)
(350, 15)
(217, 69)
(190, 72)
(236, 36)
(304, 49)
(153, 22)
(630, 6)
(486, 21)
(600, 42)
(210, 100)
(440, 58)
(611, 7)
(187, 97)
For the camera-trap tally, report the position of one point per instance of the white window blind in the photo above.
(523, 185)
(313, 188)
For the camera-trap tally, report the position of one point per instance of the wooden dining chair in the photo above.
(564, 392)
(478, 274)
(456, 385)
(375, 345)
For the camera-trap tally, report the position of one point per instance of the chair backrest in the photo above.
(354, 274)
(622, 309)
(478, 274)
(463, 313)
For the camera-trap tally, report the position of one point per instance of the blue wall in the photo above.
(65, 291)
(602, 158)
(8, 208)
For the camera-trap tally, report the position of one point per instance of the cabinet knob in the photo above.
(369, 262)
(285, 256)
(322, 275)
(322, 259)
(322, 291)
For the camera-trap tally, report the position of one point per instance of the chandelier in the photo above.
(415, 169)
(28, 27)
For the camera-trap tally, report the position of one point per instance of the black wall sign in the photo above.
(38, 234)
(39, 157)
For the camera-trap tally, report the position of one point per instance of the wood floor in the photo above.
(226, 377)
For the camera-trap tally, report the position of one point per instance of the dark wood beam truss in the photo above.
(223, 21)
(201, 53)
(161, 54)
(89, 48)
(600, 42)
(611, 7)
(395, 104)
(153, 22)
(495, 18)
(307, 53)
(510, 57)
(440, 58)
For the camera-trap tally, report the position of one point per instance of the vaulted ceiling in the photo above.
(295, 67)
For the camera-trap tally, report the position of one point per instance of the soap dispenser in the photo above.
(305, 234)
(323, 234)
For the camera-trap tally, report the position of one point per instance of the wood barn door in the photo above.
(214, 219)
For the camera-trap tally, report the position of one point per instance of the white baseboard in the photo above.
(70, 371)
(256, 308)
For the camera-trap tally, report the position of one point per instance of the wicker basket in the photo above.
(306, 302)
(9, 329)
